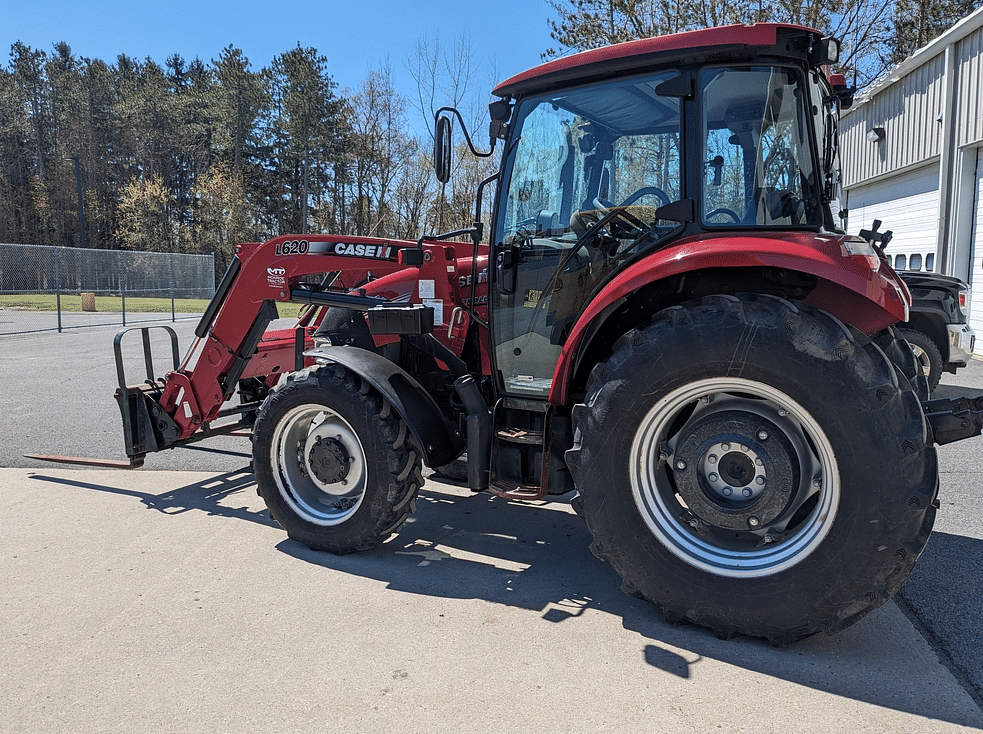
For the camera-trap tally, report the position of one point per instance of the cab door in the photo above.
(585, 173)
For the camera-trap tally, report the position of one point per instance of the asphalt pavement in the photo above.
(165, 599)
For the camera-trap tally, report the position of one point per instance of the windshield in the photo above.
(588, 150)
(760, 169)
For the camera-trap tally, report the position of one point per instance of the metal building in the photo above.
(912, 156)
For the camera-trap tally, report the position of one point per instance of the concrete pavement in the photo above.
(168, 602)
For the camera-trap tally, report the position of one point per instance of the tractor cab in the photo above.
(599, 175)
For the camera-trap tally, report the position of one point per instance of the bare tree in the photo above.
(379, 151)
(863, 25)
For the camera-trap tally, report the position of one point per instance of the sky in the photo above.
(357, 36)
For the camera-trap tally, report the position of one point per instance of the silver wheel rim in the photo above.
(319, 465)
(922, 358)
(802, 510)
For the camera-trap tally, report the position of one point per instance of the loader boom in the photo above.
(232, 339)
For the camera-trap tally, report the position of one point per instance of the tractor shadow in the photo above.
(205, 496)
(535, 557)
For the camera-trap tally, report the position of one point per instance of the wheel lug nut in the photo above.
(760, 480)
(747, 492)
(728, 491)
(713, 477)
(763, 435)
(712, 458)
(680, 464)
(725, 446)
(753, 522)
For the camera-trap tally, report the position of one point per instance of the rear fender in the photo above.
(439, 441)
(852, 284)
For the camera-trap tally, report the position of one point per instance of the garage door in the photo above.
(976, 274)
(908, 205)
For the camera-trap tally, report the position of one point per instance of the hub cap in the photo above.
(734, 477)
(319, 463)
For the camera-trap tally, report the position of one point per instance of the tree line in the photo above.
(195, 157)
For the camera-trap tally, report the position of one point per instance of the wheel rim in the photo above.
(922, 358)
(734, 477)
(319, 465)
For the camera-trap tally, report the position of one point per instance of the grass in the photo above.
(107, 304)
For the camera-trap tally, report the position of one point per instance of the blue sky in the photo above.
(357, 36)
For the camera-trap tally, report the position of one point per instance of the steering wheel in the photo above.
(590, 221)
(727, 212)
(645, 191)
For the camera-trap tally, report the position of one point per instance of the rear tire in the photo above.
(336, 466)
(748, 466)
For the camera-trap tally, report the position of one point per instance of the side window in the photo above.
(535, 202)
(759, 169)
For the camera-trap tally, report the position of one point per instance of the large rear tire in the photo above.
(336, 466)
(750, 467)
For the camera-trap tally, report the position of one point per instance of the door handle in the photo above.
(505, 265)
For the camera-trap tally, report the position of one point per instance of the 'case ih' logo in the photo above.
(275, 277)
(379, 252)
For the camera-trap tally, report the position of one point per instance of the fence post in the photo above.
(122, 284)
(58, 285)
(171, 261)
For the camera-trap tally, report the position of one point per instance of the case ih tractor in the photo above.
(667, 320)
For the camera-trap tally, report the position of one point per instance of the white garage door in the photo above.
(908, 205)
(976, 274)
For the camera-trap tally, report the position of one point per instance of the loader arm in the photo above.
(232, 341)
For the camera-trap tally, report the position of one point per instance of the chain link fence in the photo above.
(55, 288)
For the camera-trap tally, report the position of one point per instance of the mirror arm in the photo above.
(464, 129)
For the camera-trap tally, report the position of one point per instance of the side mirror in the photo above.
(442, 149)
(841, 91)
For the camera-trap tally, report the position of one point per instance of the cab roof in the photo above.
(737, 39)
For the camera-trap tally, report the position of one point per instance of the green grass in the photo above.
(108, 304)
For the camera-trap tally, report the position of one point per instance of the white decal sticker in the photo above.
(438, 310)
(276, 277)
(426, 289)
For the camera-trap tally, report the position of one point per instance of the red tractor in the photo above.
(668, 320)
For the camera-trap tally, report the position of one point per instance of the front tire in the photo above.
(336, 466)
(748, 466)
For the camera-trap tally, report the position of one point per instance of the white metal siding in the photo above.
(969, 89)
(976, 273)
(907, 110)
(908, 205)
